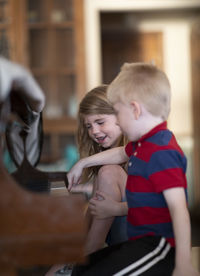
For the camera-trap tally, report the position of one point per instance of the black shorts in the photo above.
(148, 256)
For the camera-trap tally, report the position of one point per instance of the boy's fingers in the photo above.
(69, 185)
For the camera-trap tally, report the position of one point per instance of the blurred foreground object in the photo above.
(15, 77)
(36, 229)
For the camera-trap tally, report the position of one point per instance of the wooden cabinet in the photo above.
(47, 36)
(8, 47)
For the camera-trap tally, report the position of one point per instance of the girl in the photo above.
(98, 131)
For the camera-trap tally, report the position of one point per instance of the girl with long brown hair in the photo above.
(97, 131)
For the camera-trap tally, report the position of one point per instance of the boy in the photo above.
(158, 217)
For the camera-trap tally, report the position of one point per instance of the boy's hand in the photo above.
(103, 206)
(74, 175)
(185, 270)
(86, 189)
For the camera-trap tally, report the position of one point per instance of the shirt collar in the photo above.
(162, 126)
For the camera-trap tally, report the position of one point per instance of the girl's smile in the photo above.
(101, 139)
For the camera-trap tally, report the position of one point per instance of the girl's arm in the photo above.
(177, 205)
(103, 206)
(111, 156)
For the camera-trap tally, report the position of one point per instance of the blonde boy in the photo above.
(158, 218)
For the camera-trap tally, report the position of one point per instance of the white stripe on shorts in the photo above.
(146, 258)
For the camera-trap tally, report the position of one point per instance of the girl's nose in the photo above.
(95, 130)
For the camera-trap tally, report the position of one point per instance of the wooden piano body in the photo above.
(35, 228)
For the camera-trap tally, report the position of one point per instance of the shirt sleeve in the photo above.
(166, 170)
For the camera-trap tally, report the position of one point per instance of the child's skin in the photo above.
(98, 131)
(107, 207)
(102, 129)
(139, 122)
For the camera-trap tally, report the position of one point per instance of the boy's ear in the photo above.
(136, 109)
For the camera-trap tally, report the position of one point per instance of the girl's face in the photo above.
(103, 129)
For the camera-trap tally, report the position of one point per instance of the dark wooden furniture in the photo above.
(35, 228)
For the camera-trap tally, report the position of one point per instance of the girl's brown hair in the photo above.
(95, 102)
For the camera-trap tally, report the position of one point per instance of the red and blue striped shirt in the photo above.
(156, 163)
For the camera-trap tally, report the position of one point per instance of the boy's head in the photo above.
(145, 84)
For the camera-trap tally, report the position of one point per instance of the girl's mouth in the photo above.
(101, 139)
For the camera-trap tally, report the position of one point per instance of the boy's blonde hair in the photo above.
(95, 102)
(144, 83)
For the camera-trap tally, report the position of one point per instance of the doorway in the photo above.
(120, 44)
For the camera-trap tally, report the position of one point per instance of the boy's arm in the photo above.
(111, 156)
(177, 205)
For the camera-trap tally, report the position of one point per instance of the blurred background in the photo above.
(71, 46)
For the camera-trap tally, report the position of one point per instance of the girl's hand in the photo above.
(74, 175)
(103, 206)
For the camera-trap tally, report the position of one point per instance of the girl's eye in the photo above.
(101, 123)
(88, 126)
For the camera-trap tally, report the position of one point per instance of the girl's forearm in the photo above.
(112, 156)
